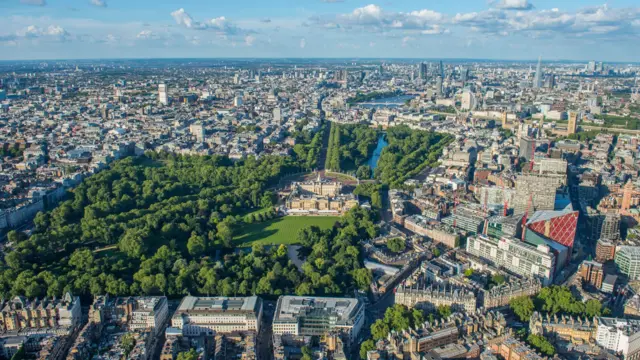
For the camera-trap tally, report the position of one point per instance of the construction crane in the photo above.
(526, 215)
(455, 203)
(533, 155)
(506, 199)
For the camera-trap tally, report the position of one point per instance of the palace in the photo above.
(319, 197)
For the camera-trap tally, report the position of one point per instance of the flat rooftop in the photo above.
(193, 304)
(290, 308)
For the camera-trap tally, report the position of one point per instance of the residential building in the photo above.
(515, 256)
(592, 273)
(429, 298)
(21, 313)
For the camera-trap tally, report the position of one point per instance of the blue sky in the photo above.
(495, 29)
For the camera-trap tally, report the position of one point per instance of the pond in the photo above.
(382, 143)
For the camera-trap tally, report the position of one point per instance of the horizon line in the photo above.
(321, 58)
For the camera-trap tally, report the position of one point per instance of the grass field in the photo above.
(283, 230)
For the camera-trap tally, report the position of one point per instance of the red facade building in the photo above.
(558, 226)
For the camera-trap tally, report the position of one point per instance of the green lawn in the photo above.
(283, 230)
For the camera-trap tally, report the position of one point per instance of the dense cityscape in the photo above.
(320, 209)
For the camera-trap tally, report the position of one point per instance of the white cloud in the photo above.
(303, 43)
(34, 2)
(513, 5)
(220, 25)
(99, 3)
(249, 40)
(406, 40)
(52, 32)
(373, 16)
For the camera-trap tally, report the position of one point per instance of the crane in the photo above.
(455, 203)
(526, 215)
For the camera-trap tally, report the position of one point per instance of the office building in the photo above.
(422, 71)
(558, 226)
(572, 126)
(148, 313)
(429, 298)
(21, 313)
(467, 218)
(515, 256)
(592, 273)
(317, 316)
(439, 86)
(163, 97)
(468, 101)
(237, 100)
(537, 81)
(527, 148)
(208, 315)
(591, 66)
(501, 295)
(627, 259)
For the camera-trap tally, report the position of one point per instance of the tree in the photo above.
(435, 252)
(363, 172)
(188, 355)
(497, 279)
(196, 245)
(444, 311)
(307, 354)
(468, 273)
(365, 347)
(396, 245)
(127, 342)
(16, 237)
(523, 307)
(593, 308)
(541, 344)
(363, 278)
(379, 330)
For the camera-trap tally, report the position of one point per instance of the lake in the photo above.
(382, 143)
(388, 102)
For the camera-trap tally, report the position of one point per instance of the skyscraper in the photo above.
(441, 70)
(422, 70)
(439, 89)
(464, 74)
(537, 81)
(572, 127)
(163, 98)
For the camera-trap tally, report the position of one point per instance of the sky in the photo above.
(467, 29)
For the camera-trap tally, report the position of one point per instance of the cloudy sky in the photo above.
(492, 29)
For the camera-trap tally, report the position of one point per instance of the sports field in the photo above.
(283, 230)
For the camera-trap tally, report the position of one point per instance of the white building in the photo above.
(198, 315)
(163, 97)
(309, 316)
(516, 256)
(149, 313)
(619, 335)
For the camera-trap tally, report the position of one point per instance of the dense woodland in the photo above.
(165, 223)
(350, 147)
(409, 152)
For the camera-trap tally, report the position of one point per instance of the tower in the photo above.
(504, 120)
(537, 81)
(163, 98)
(572, 127)
(626, 197)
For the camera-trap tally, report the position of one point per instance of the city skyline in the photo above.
(501, 29)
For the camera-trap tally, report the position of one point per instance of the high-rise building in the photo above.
(237, 101)
(572, 127)
(537, 192)
(468, 101)
(619, 335)
(557, 226)
(537, 81)
(464, 74)
(205, 315)
(439, 89)
(422, 71)
(610, 227)
(163, 97)
(441, 70)
(317, 316)
(592, 66)
(277, 115)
